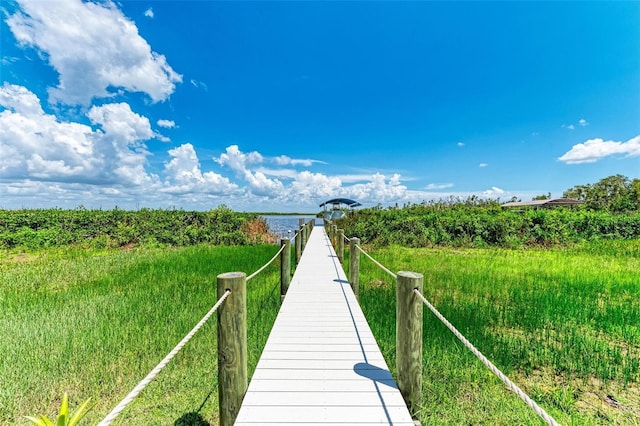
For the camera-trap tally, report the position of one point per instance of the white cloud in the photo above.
(168, 124)
(35, 145)
(94, 48)
(596, 149)
(199, 85)
(281, 173)
(284, 160)
(184, 175)
(433, 186)
(238, 160)
(493, 192)
(483, 165)
(119, 121)
(460, 144)
(259, 183)
(148, 13)
(310, 186)
(583, 122)
(351, 178)
(377, 189)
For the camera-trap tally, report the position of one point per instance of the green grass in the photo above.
(563, 323)
(94, 324)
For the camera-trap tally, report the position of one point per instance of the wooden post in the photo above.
(232, 346)
(354, 265)
(298, 248)
(341, 245)
(301, 234)
(306, 234)
(409, 339)
(335, 236)
(285, 267)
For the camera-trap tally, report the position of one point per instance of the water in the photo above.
(279, 225)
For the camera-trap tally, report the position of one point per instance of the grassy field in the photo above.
(95, 323)
(563, 323)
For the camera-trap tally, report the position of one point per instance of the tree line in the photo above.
(611, 210)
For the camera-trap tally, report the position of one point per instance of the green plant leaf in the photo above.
(63, 413)
(42, 421)
(80, 413)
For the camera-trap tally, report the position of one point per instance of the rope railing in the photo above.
(227, 283)
(511, 385)
(380, 265)
(543, 414)
(266, 264)
(144, 382)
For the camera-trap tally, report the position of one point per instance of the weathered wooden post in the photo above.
(232, 345)
(354, 265)
(285, 267)
(341, 245)
(334, 234)
(409, 338)
(298, 245)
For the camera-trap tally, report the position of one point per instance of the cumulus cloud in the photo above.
(377, 189)
(94, 48)
(184, 175)
(238, 160)
(583, 122)
(309, 186)
(148, 13)
(597, 149)
(483, 165)
(259, 183)
(36, 145)
(460, 144)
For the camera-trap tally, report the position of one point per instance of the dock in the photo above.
(321, 364)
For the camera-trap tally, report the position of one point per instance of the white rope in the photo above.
(543, 414)
(376, 262)
(127, 399)
(266, 264)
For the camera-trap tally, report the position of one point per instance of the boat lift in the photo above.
(337, 210)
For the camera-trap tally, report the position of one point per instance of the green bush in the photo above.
(480, 224)
(44, 228)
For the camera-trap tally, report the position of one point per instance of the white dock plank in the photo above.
(321, 364)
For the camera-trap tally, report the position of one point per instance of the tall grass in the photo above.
(94, 324)
(564, 322)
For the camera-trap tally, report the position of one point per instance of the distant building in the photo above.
(544, 204)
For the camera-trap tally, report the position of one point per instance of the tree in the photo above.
(542, 197)
(615, 193)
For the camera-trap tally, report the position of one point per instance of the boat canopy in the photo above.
(337, 201)
(336, 212)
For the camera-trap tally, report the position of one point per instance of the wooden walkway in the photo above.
(321, 363)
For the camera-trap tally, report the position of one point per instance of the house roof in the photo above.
(546, 203)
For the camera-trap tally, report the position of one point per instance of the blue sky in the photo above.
(279, 106)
